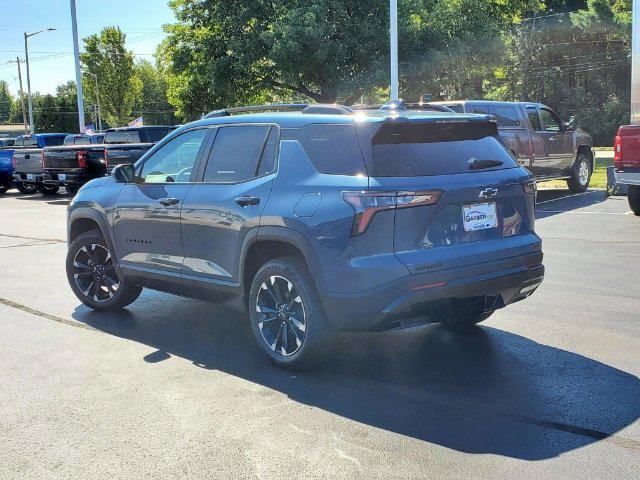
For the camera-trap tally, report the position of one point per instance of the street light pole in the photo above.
(26, 57)
(99, 119)
(24, 111)
(76, 55)
(393, 17)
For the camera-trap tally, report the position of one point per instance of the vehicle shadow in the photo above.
(488, 391)
(552, 202)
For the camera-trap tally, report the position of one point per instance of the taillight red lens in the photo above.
(42, 160)
(106, 158)
(367, 204)
(617, 152)
(81, 157)
(14, 162)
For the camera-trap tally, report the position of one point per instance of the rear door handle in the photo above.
(167, 202)
(247, 201)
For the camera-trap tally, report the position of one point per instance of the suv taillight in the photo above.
(106, 158)
(530, 186)
(14, 162)
(617, 152)
(42, 160)
(81, 157)
(367, 204)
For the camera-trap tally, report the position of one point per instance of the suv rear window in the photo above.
(332, 149)
(122, 136)
(424, 149)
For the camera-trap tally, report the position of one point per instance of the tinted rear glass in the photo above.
(73, 140)
(54, 141)
(506, 115)
(153, 135)
(456, 107)
(424, 149)
(333, 149)
(122, 136)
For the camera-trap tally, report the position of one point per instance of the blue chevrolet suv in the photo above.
(314, 219)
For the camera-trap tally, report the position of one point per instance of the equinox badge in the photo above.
(488, 193)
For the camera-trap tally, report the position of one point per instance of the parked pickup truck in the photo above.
(78, 160)
(73, 165)
(27, 161)
(6, 169)
(548, 147)
(626, 160)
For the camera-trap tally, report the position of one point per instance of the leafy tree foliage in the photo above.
(6, 102)
(105, 55)
(152, 102)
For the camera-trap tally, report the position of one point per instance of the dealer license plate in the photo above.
(479, 216)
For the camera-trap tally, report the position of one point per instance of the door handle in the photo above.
(247, 201)
(167, 202)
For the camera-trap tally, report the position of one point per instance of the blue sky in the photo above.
(51, 53)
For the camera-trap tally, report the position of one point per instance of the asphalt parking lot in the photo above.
(175, 388)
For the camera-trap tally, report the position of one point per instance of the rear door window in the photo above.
(534, 119)
(236, 153)
(478, 108)
(426, 148)
(333, 149)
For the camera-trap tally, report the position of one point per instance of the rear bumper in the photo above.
(68, 179)
(420, 299)
(27, 177)
(628, 177)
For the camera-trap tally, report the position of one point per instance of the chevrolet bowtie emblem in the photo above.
(488, 192)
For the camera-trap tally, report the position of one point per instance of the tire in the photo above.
(91, 251)
(634, 199)
(580, 174)
(72, 189)
(298, 335)
(26, 188)
(45, 189)
(3, 188)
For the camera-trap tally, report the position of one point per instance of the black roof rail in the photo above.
(270, 107)
(328, 109)
(405, 106)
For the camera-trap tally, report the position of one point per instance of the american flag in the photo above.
(138, 122)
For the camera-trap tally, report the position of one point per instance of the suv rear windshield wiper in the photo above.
(476, 164)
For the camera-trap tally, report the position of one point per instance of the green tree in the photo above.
(105, 55)
(6, 102)
(152, 102)
(234, 52)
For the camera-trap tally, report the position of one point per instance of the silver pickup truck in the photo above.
(27, 161)
(550, 148)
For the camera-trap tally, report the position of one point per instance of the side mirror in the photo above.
(571, 124)
(124, 173)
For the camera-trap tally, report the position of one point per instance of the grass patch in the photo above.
(598, 178)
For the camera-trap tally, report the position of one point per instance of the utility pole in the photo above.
(98, 117)
(26, 58)
(24, 111)
(635, 63)
(393, 16)
(76, 54)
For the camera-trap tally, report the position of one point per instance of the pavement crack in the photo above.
(50, 240)
(48, 316)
